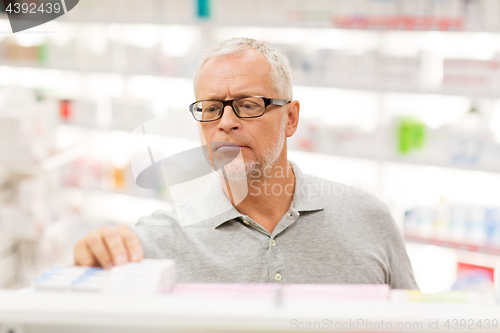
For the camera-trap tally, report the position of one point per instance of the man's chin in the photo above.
(223, 163)
(233, 173)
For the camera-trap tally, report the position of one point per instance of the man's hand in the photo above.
(107, 247)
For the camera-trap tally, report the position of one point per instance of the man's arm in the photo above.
(401, 271)
(107, 247)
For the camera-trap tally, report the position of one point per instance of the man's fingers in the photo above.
(132, 243)
(115, 244)
(96, 245)
(83, 257)
(107, 247)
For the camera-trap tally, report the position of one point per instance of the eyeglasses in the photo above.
(245, 107)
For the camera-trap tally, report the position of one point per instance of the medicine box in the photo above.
(150, 276)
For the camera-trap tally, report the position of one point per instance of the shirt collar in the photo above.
(306, 198)
(211, 207)
(306, 195)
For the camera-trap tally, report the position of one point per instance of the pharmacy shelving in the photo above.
(125, 50)
(393, 157)
(49, 164)
(381, 88)
(364, 14)
(493, 258)
(437, 268)
(382, 154)
(467, 71)
(104, 206)
(8, 257)
(368, 14)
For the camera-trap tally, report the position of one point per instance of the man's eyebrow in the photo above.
(238, 95)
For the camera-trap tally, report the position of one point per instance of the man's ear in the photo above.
(292, 115)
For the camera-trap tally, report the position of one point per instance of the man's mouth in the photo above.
(224, 152)
(225, 145)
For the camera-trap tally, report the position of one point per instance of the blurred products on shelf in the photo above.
(41, 158)
(26, 128)
(405, 141)
(337, 58)
(444, 15)
(469, 227)
(474, 278)
(8, 261)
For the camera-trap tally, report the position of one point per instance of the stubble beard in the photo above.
(242, 171)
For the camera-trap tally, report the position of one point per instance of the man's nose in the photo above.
(229, 120)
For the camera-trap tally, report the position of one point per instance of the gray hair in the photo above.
(281, 72)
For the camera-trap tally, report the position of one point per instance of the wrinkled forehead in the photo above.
(235, 75)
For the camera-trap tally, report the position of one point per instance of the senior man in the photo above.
(290, 227)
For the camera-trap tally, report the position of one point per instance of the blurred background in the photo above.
(400, 98)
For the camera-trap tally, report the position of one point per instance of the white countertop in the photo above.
(82, 312)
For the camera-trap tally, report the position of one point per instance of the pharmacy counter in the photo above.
(32, 312)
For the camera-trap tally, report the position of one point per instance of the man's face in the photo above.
(261, 139)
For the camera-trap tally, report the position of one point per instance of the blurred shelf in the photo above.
(378, 88)
(366, 23)
(49, 164)
(139, 196)
(214, 23)
(84, 70)
(404, 88)
(386, 158)
(6, 245)
(376, 24)
(101, 205)
(469, 254)
(375, 156)
(35, 235)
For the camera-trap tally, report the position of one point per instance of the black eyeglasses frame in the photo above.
(230, 102)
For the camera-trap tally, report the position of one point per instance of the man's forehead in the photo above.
(235, 66)
(236, 75)
(245, 55)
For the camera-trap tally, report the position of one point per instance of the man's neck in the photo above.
(268, 198)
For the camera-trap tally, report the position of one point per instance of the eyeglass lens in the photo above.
(245, 107)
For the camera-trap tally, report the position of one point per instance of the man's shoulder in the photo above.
(359, 212)
(331, 193)
(168, 219)
(336, 193)
(351, 206)
(158, 218)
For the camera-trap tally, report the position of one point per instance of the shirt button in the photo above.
(246, 222)
(278, 277)
(273, 242)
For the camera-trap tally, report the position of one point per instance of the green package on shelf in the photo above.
(411, 135)
(42, 51)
